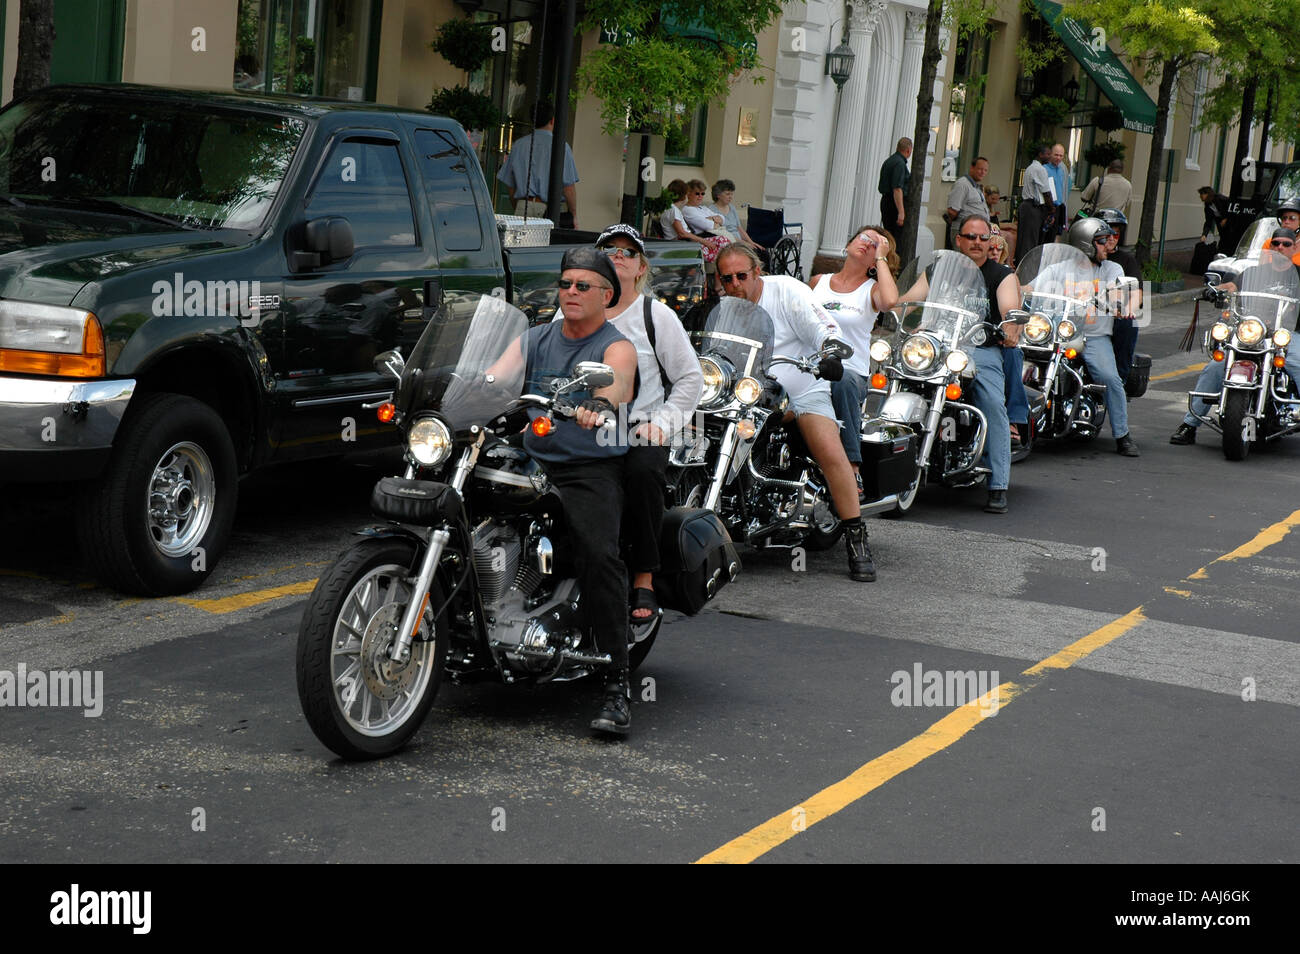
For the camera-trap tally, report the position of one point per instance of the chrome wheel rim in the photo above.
(374, 694)
(181, 498)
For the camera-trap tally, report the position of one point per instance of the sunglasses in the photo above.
(976, 236)
(615, 251)
(1277, 244)
(567, 283)
(734, 277)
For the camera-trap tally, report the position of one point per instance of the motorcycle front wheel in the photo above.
(641, 639)
(358, 701)
(1236, 412)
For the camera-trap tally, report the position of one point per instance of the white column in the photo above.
(909, 77)
(878, 140)
(864, 16)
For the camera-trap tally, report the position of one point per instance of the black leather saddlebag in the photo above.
(697, 559)
(1139, 376)
(422, 502)
(888, 460)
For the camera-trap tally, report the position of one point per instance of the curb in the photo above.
(1166, 299)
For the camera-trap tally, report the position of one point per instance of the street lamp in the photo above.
(839, 64)
(1025, 86)
(1072, 92)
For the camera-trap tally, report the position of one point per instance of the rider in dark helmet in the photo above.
(1288, 214)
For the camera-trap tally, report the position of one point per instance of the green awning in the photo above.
(697, 30)
(1116, 82)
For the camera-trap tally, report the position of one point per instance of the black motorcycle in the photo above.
(472, 577)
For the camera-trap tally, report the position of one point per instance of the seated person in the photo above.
(675, 225)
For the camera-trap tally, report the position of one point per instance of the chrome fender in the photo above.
(904, 407)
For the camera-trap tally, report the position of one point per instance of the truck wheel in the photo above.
(158, 520)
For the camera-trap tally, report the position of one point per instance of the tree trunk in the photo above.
(1243, 133)
(1155, 167)
(35, 44)
(921, 135)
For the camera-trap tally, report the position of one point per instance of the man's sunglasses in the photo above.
(734, 277)
(567, 283)
(1277, 244)
(976, 236)
(614, 251)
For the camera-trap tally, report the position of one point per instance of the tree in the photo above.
(35, 44)
(966, 18)
(1162, 36)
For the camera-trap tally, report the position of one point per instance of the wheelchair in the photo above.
(781, 238)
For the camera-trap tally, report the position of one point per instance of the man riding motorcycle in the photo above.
(800, 327)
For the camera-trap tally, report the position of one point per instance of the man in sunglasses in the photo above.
(1277, 259)
(799, 327)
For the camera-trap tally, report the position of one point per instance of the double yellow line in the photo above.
(781, 828)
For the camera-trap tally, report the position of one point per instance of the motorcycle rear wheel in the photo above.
(1235, 412)
(356, 700)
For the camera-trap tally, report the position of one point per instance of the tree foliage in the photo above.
(654, 77)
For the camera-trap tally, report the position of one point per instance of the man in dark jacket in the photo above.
(894, 177)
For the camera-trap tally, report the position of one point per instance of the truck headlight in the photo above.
(50, 339)
(429, 441)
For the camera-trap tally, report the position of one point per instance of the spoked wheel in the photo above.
(1237, 422)
(784, 257)
(361, 703)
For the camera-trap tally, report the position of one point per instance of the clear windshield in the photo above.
(1057, 280)
(469, 336)
(741, 332)
(1269, 291)
(1253, 239)
(957, 300)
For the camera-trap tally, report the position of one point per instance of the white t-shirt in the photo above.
(671, 213)
(1100, 317)
(855, 316)
(680, 363)
(799, 326)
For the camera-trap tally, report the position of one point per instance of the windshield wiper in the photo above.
(108, 205)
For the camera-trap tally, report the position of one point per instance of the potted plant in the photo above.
(474, 111)
(464, 44)
(1162, 278)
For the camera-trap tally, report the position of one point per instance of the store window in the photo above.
(686, 147)
(309, 47)
(1193, 160)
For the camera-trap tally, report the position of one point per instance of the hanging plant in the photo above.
(464, 44)
(1108, 118)
(1047, 111)
(472, 110)
(1104, 152)
(656, 204)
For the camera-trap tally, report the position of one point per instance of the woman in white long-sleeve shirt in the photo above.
(655, 419)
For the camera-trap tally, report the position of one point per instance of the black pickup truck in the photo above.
(194, 285)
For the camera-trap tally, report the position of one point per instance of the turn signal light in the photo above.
(90, 363)
(878, 381)
(952, 392)
(1217, 354)
(1279, 361)
(745, 429)
(386, 412)
(542, 426)
(1072, 353)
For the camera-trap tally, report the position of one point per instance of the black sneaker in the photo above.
(1127, 446)
(997, 502)
(1186, 434)
(861, 567)
(615, 716)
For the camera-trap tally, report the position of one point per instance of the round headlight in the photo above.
(748, 390)
(1250, 331)
(1220, 331)
(880, 350)
(714, 380)
(1066, 329)
(918, 352)
(429, 441)
(956, 361)
(1281, 337)
(1037, 329)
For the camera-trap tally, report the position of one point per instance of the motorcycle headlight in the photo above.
(1281, 337)
(1037, 329)
(429, 441)
(880, 351)
(714, 380)
(1250, 331)
(1219, 331)
(918, 352)
(956, 361)
(1066, 329)
(748, 390)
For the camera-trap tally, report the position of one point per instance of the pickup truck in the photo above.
(195, 285)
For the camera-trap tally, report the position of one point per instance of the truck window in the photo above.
(362, 180)
(449, 191)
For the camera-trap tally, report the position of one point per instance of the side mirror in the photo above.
(321, 242)
(593, 374)
(1016, 317)
(391, 362)
(979, 335)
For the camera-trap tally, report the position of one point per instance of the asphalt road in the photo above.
(1149, 668)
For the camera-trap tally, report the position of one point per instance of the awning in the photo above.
(696, 30)
(1116, 82)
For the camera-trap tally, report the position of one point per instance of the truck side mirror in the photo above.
(322, 242)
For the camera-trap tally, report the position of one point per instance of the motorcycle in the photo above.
(925, 371)
(743, 459)
(472, 577)
(1257, 402)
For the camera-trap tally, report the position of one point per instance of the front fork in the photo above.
(400, 651)
(725, 452)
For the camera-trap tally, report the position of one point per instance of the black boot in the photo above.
(861, 567)
(615, 714)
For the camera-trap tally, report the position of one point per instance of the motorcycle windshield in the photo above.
(956, 302)
(1269, 291)
(470, 336)
(741, 332)
(1056, 279)
(1252, 240)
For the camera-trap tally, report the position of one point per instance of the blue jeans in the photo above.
(847, 394)
(1211, 379)
(1013, 367)
(1099, 356)
(990, 396)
